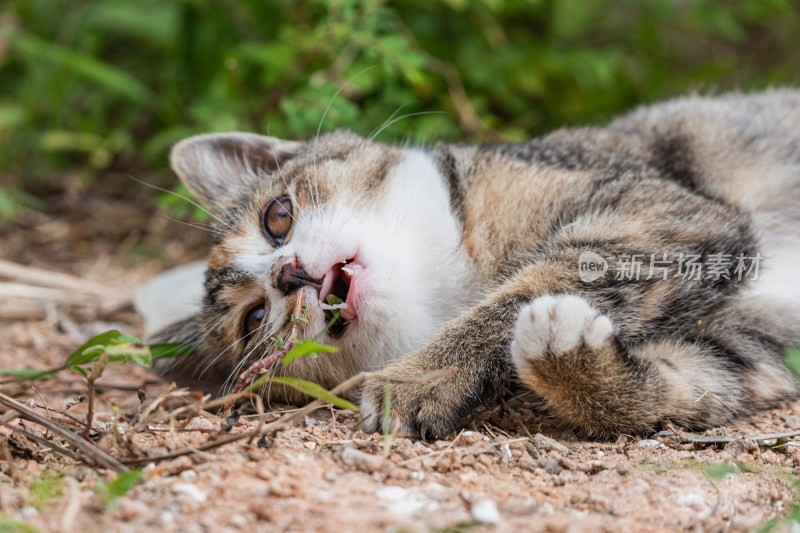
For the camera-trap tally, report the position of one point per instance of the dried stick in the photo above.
(101, 458)
(709, 393)
(272, 427)
(721, 439)
(48, 278)
(62, 413)
(41, 440)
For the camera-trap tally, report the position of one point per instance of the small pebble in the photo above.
(548, 444)
(649, 443)
(130, 508)
(191, 491)
(506, 450)
(550, 465)
(361, 460)
(485, 511)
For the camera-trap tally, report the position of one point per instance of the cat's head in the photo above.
(369, 223)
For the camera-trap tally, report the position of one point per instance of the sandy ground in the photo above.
(511, 469)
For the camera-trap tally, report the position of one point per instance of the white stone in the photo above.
(485, 511)
(649, 443)
(191, 491)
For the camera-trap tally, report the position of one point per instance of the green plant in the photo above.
(9, 525)
(91, 358)
(92, 85)
(109, 492)
(109, 347)
(45, 489)
(792, 359)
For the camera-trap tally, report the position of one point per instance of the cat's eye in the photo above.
(253, 319)
(277, 219)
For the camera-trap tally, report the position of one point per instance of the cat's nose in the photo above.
(292, 276)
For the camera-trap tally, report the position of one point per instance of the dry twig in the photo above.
(99, 456)
(709, 393)
(721, 439)
(281, 423)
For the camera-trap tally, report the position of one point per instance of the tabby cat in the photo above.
(619, 273)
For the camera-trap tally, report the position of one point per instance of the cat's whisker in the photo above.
(209, 229)
(234, 343)
(266, 388)
(182, 197)
(342, 225)
(289, 191)
(290, 214)
(398, 119)
(231, 378)
(394, 113)
(322, 120)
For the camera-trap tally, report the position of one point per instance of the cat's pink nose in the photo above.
(292, 276)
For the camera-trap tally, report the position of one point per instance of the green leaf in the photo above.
(27, 373)
(110, 77)
(332, 315)
(332, 299)
(793, 359)
(9, 525)
(80, 370)
(138, 353)
(315, 391)
(306, 348)
(296, 318)
(170, 350)
(121, 347)
(387, 409)
(45, 489)
(719, 470)
(102, 340)
(778, 442)
(278, 340)
(361, 422)
(124, 483)
(11, 116)
(112, 490)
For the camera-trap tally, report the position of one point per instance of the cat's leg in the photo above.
(475, 345)
(567, 352)
(575, 358)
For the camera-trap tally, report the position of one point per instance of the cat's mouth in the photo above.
(341, 282)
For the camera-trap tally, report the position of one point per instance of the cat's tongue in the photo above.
(351, 271)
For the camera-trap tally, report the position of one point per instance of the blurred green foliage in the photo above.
(92, 85)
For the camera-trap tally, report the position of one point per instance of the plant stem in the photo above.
(38, 375)
(97, 371)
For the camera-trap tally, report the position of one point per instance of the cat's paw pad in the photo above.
(556, 325)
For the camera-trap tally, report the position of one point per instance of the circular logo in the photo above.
(591, 266)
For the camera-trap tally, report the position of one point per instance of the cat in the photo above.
(619, 273)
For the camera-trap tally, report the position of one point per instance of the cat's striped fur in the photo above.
(471, 261)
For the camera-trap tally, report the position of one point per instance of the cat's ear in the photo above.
(215, 167)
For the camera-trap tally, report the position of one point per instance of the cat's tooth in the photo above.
(349, 271)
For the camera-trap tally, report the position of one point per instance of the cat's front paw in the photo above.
(556, 325)
(429, 410)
